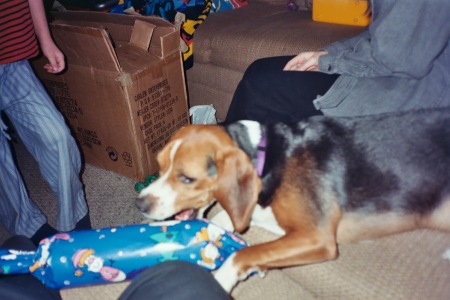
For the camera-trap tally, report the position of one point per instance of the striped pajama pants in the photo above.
(46, 136)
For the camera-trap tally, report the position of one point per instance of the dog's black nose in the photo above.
(142, 204)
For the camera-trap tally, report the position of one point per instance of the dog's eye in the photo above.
(184, 179)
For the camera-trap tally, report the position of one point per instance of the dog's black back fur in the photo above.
(380, 163)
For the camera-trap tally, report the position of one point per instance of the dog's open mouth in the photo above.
(187, 214)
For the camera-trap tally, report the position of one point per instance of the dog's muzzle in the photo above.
(142, 204)
(145, 206)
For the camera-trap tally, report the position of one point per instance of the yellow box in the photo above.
(348, 12)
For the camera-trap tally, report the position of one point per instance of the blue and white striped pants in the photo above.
(46, 136)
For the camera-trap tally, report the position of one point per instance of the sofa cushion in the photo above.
(409, 265)
(402, 266)
(265, 30)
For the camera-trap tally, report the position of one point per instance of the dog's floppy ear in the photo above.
(163, 156)
(238, 185)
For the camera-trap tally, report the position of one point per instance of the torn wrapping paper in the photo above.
(116, 254)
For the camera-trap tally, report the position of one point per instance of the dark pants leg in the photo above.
(174, 280)
(268, 94)
(23, 286)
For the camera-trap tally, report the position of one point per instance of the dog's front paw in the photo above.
(227, 275)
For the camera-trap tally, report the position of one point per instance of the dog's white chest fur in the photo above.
(261, 217)
(264, 218)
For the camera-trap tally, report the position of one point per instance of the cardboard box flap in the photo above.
(91, 17)
(159, 41)
(165, 42)
(133, 59)
(86, 46)
(142, 34)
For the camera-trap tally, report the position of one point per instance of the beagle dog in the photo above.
(316, 183)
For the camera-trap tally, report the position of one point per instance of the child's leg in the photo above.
(47, 137)
(18, 213)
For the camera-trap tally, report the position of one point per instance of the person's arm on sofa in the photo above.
(402, 42)
(309, 61)
(392, 45)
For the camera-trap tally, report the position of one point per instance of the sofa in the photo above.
(228, 41)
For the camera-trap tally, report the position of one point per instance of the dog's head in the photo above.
(200, 164)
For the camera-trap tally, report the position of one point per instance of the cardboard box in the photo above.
(347, 12)
(123, 93)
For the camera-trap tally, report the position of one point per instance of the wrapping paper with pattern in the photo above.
(116, 254)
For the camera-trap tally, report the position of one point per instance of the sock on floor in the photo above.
(84, 223)
(44, 231)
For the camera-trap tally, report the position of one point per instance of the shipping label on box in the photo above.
(123, 93)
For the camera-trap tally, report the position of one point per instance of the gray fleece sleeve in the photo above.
(403, 40)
